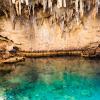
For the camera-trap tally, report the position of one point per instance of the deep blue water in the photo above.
(52, 79)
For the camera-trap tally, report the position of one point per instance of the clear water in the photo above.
(51, 79)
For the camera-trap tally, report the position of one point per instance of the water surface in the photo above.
(64, 78)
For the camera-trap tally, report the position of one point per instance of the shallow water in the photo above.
(64, 78)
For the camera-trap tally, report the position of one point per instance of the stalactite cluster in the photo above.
(58, 11)
(48, 21)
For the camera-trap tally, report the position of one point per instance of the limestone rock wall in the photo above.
(51, 24)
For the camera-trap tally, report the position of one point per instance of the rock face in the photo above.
(50, 24)
(5, 44)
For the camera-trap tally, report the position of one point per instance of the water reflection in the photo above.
(58, 78)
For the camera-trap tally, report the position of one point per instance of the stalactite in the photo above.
(76, 5)
(81, 8)
(64, 3)
(64, 15)
(12, 15)
(10, 3)
(44, 5)
(54, 17)
(93, 2)
(50, 5)
(33, 9)
(19, 7)
(62, 24)
(27, 2)
(13, 1)
(89, 5)
(5, 12)
(22, 1)
(97, 5)
(77, 11)
(59, 3)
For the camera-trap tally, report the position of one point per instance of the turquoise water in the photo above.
(52, 79)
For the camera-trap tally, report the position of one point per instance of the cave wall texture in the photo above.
(50, 24)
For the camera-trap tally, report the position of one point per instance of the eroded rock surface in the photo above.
(51, 24)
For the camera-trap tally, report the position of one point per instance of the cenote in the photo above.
(62, 78)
